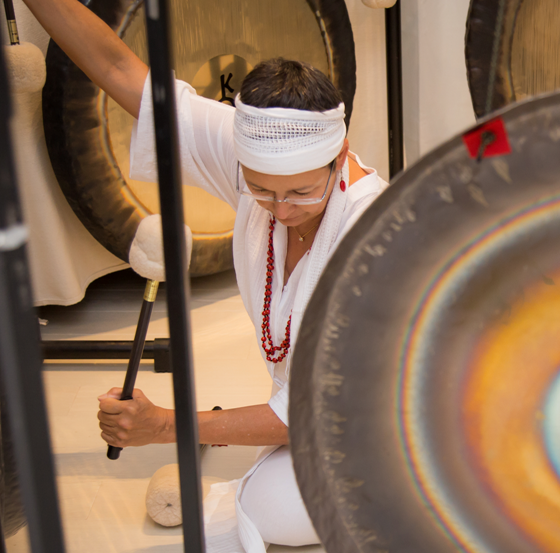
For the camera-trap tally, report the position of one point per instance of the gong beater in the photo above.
(424, 382)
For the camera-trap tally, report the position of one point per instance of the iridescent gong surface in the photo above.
(425, 387)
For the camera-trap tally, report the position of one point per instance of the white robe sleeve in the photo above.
(206, 152)
(279, 403)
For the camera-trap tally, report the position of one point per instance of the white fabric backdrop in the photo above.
(437, 103)
(436, 98)
(368, 127)
(63, 256)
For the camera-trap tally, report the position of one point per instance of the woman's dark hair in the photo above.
(280, 83)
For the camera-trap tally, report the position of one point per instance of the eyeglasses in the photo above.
(296, 201)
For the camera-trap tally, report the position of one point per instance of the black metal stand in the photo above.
(394, 88)
(20, 359)
(157, 349)
(171, 201)
(2, 541)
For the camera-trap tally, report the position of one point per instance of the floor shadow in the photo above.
(134, 462)
(126, 287)
(152, 528)
(173, 548)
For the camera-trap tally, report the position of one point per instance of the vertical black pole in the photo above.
(20, 357)
(394, 88)
(171, 201)
(2, 542)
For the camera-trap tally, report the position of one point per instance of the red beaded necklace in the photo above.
(266, 337)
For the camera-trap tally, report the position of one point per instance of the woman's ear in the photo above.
(341, 157)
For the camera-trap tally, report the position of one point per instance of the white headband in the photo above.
(282, 141)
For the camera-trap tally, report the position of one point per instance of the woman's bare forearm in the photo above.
(94, 48)
(138, 422)
(253, 425)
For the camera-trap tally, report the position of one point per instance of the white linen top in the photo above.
(208, 161)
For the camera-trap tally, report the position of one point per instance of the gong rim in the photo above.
(81, 154)
(348, 441)
(521, 70)
(482, 21)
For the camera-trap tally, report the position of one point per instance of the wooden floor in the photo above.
(102, 501)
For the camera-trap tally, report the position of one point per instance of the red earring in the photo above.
(342, 185)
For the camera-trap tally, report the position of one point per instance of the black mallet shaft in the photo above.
(11, 19)
(137, 350)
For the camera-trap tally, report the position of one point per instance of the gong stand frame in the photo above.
(394, 88)
(176, 270)
(20, 359)
(157, 349)
(2, 542)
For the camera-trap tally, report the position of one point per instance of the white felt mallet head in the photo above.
(146, 252)
(379, 3)
(26, 67)
(163, 498)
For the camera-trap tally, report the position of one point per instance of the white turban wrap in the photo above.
(283, 141)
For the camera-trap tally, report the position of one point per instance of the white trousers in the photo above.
(272, 501)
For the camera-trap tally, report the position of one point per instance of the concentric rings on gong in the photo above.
(506, 360)
(420, 410)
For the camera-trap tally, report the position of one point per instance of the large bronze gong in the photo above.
(215, 44)
(425, 385)
(527, 56)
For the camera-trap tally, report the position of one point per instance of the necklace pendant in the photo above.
(301, 238)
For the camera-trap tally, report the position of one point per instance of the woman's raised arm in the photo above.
(95, 49)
